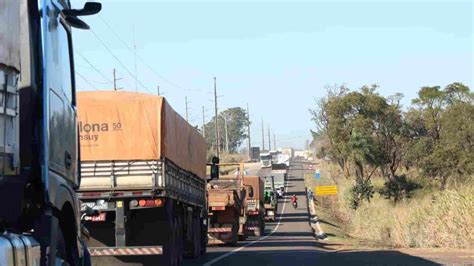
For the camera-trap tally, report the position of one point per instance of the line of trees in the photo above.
(368, 134)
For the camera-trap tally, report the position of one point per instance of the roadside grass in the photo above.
(431, 218)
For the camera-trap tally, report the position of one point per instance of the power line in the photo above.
(118, 60)
(92, 65)
(142, 60)
(83, 78)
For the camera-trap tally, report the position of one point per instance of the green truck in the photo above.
(270, 202)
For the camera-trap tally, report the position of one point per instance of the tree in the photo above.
(236, 120)
(441, 132)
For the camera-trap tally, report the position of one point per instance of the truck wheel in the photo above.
(60, 249)
(180, 241)
(195, 245)
(170, 254)
(203, 237)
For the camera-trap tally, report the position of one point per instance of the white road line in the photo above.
(250, 243)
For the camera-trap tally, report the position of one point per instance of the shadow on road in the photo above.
(277, 255)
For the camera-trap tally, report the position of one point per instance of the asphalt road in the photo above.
(290, 241)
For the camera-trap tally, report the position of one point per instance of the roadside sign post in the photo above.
(317, 175)
(326, 191)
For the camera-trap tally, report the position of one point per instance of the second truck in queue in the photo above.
(254, 205)
(144, 168)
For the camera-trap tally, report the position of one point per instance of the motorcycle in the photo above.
(295, 204)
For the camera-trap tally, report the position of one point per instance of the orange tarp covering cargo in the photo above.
(135, 126)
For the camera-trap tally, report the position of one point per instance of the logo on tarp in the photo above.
(90, 131)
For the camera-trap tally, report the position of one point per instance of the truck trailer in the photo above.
(39, 213)
(225, 204)
(254, 205)
(221, 217)
(144, 168)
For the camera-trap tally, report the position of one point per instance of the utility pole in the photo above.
(263, 136)
(248, 128)
(274, 142)
(186, 106)
(215, 109)
(269, 139)
(158, 90)
(115, 80)
(203, 123)
(226, 134)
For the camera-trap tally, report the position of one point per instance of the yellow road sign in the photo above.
(325, 190)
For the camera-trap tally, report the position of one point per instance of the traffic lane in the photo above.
(215, 251)
(292, 243)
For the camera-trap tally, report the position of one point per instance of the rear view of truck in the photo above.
(225, 204)
(143, 167)
(254, 205)
(270, 201)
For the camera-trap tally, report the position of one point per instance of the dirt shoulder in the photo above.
(340, 241)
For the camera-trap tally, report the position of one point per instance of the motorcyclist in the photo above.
(294, 200)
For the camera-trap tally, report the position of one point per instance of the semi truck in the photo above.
(279, 177)
(265, 160)
(270, 201)
(254, 205)
(39, 214)
(144, 168)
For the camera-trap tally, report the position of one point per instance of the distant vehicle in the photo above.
(255, 154)
(270, 199)
(39, 214)
(266, 160)
(279, 192)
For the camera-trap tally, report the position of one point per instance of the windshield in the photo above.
(362, 109)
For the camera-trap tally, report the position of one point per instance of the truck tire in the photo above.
(194, 247)
(169, 240)
(61, 254)
(203, 237)
(180, 239)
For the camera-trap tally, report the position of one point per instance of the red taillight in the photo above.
(151, 202)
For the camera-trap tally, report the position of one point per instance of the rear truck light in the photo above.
(159, 202)
(218, 208)
(134, 203)
(137, 193)
(151, 202)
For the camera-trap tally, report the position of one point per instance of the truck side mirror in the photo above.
(71, 15)
(214, 171)
(250, 192)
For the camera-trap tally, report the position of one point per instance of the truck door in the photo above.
(59, 103)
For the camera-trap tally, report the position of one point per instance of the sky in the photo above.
(277, 57)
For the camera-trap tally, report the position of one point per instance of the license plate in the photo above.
(97, 218)
(94, 206)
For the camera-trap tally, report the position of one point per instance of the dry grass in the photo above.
(430, 219)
